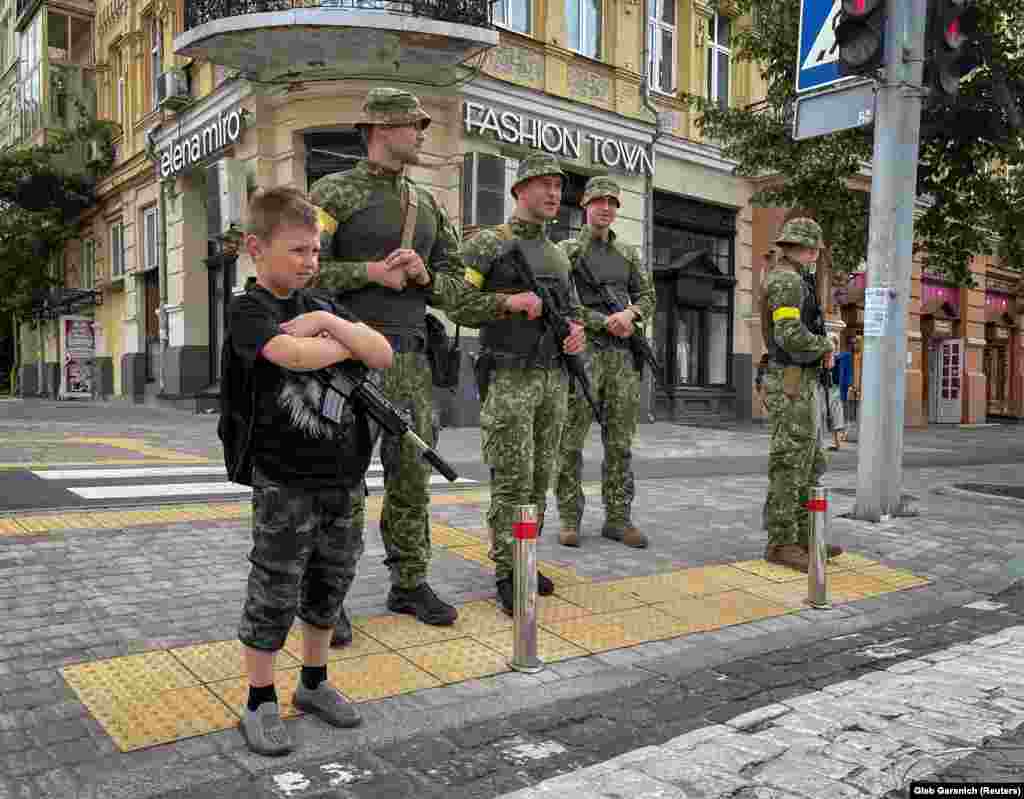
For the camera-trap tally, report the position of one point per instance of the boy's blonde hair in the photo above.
(273, 209)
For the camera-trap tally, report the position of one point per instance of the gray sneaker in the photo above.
(326, 702)
(264, 731)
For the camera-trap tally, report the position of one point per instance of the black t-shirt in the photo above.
(300, 437)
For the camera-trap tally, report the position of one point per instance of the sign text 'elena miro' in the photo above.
(189, 151)
(559, 140)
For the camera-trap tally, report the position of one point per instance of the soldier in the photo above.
(389, 256)
(789, 306)
(522, 384)
(615, 374)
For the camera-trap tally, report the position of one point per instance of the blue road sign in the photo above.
(818, 55)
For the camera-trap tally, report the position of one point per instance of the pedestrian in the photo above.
(302, 462)
(614, 371)
(789, 308)
(388, 259)
(523, 385)
(839, 393)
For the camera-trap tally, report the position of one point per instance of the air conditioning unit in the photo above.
(172, 90)
(225, 190)
(486, 180)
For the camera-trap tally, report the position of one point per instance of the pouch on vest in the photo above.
(791, 381)
(444, 354)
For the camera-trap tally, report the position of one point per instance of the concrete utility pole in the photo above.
(890, 264)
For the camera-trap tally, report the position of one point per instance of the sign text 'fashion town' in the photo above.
(559, 140)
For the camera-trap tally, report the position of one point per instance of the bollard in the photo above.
(524, 641)
(817, 549)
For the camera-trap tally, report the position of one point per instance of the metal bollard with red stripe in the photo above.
(524, 642)
(817, 549)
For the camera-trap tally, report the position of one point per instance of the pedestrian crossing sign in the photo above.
(818, 55)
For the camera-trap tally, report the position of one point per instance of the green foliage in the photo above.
(973, 210)
(41, 202)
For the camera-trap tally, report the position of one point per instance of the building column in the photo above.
(187, 359)
(133, 358)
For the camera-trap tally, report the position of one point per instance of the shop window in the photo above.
(486, 179)
(513, 14)
(156, 58)
(583, 23)
(661, 33)
(117, 249)
(151, 236)
(570, 219)
(334, 151)
(719, 56)
(88, 264)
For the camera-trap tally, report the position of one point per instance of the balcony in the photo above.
(296, 39)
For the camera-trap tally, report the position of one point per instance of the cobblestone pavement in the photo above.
(70, 596)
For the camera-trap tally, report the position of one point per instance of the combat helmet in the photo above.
(802, 231)
(536, 166)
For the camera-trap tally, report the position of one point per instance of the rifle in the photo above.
(638, 344)
(350, 379)
(555, 323)
(817, 326)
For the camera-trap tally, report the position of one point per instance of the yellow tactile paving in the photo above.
(850, 586)
(554, 608)
(770, 571)
(481, 618)
(851, 560)
(599, 598)
(377, 676)
(896, 578)
(444, 536)
(399, 632)
(141, 447)
(458, 660)
(550, 647)
(361, 645)
(235, 693)
(562, 574)
(10, 527)
(788, 595)
(220, 660)
(163, 717)
(477, 554)
(721, 610)
(600, 633)
(128, 676)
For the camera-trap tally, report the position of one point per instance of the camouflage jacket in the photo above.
(784, 295)
(642, 298)
(342, 194)
(476, 256)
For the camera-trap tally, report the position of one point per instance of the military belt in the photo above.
(508, 361)
(406, 343)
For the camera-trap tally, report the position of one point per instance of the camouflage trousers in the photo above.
(520, 426)
(796, 459)
(306, 544)
(616, 385)
(404, 518)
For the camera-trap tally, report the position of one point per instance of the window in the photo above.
(661, 32)
(570, 219)
(117, 249)
(583, 20)
(513, 14)
(5, 25)
(30, 74)
(151, 234)
(156, 57)
(88, 263)
(119, 89)
(718, 60)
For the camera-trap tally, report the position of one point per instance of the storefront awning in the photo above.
(59, 302)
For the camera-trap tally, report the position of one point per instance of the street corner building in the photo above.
(214, 100)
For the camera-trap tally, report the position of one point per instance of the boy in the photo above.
(303, 451)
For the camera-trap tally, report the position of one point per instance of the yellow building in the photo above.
(214, 103)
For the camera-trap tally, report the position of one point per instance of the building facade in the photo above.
(213, 105)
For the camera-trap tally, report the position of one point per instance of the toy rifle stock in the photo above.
(556, 323)
(351, 380)
(638, 343)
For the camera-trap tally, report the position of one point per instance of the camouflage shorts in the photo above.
(306, 544)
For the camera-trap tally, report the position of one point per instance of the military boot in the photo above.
(422, 603)
(793, 556)
(626, 533)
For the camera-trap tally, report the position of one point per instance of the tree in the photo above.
(966, 146)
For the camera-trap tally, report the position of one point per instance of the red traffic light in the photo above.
(951, 33)
(860, 8)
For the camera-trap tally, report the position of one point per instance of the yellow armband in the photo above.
(474, 278)
(786, 312)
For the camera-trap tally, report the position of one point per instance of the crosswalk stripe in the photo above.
(156, 471)
(199, 489)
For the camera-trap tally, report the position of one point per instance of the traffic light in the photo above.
(860, 35)
(949, 24)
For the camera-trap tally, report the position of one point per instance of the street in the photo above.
(690, 669)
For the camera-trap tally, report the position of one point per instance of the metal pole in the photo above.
(817, 578)
(890, 248)
(524, 565)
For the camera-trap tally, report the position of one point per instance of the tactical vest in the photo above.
(611, 269)
(522, 337)
(810, 316)
(371, 234)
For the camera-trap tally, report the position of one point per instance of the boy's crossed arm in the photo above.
(304, 347)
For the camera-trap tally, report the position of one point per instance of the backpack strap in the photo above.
(411, 202)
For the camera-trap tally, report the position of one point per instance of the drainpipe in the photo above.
(645, 94)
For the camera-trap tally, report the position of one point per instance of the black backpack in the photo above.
(237, 414)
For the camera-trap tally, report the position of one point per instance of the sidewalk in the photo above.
(71, 597)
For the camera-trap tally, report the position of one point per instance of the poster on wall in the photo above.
(78, 345)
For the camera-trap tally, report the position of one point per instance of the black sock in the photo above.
(312, 676)
(257, 696)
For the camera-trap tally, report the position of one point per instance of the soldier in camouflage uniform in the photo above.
(524, 388)
(792, 388)
(389, 287)
(614, 374)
